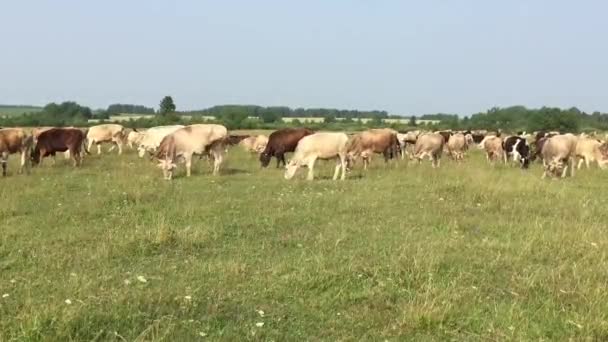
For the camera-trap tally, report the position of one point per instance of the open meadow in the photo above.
(111, 251)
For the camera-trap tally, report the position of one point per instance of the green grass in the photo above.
(465, 252)
(8, 110)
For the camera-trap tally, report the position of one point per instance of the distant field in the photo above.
(16, 110)
(127, 117)
(466, 252)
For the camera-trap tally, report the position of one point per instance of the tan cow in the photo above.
(591, 150)
(322, 145)
(493, 147)
(406, 140)
(134, 138)
(152, 137)
(429, 145)
(364, 144)
(457, 145)
(14, 140)
(106, 133)
(558, 153)
(185, 142)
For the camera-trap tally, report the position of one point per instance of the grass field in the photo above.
(111, 251)
(17, 110)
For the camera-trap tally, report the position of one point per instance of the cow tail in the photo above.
(85, 140)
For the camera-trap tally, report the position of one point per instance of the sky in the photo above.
(406, 57)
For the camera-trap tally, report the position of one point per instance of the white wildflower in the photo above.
(13, 281)
(127, 282)
(141, 279)
(203, 334)
(259, 324)
(261, 313)
(5, 295)
(68, 302)
(187, 297)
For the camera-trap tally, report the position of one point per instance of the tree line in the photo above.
(515, 118)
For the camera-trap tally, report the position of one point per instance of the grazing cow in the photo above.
(589, 150)
(59, 140)
(188, 141)
(112, 133)
(429, 145)
(134, 138)
(152, 138)
(14, 140)
(518, 148)
(457, 145)
(236, 139)
(493, 147)
(324, 146)
(558, 153)
(254, 144)
(280, 142)
(405, 140)
(364, 144)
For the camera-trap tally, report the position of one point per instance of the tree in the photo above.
(167, 106)
(412, 122)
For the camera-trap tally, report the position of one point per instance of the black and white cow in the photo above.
(518, 148)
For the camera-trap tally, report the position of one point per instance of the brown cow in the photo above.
(383, 140)
(280, 142)
(59, 140)
(14, 140)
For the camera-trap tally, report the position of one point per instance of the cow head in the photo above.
(35, 156)
(291, 168)
(167, 166)
(265, 158)
(555, 168)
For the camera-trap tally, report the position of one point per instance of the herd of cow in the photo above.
(170, 144)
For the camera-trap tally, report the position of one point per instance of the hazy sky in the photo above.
(407, 57)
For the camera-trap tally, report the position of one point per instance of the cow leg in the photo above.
(218, 157)
(343, 164)
(3, 160)
(311, 166)
(337, 169)
(98, 148)
(587, 161)
(570, 162)
(580, 163)
(188, 159)
(119, 144)
(89, 144)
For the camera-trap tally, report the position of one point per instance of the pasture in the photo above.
(7, 110)
(110, 251)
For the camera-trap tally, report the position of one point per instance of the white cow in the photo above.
(134, 138)
(429, 145)
(558, 152)
(152, 137)
(323, 145)
(188, 141)
(589, 150)
(111, 133)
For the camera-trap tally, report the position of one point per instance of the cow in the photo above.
(589, 150)
(429, 145)
(558, 153)
(517, 148)
(152, 138)
(324, 146)
(190, 140)
(457, 145)
(112, 133)
(280, 142)
(477, 136)
(59, 140)
(36, 132)
(364, 144)
(405, 140)
(254, 144)
(134, 138)
(14, 140)
(236, 139)
(493, 147)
